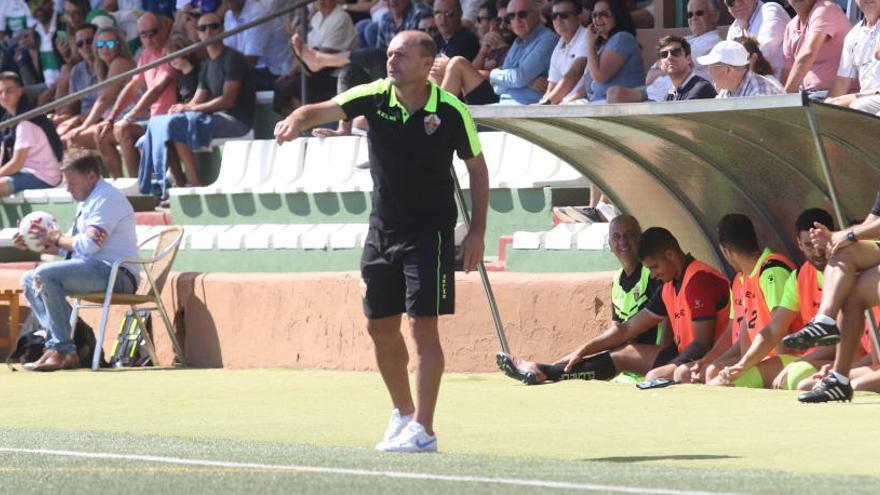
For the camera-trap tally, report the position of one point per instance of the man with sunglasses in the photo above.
(764, 21)
(82, 75)
(728, 64)
(528, 58)
(860, 63)
(123, 128)
(569, 57)
(702, 18)
(452, 38)
(222, 107)
(675, 62)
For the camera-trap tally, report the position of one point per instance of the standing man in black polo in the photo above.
(407, 264)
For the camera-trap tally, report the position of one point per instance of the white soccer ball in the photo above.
(34, 242)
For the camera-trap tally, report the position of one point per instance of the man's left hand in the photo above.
(471, 251)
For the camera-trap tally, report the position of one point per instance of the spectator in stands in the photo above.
(850, 284)
(15, 16)
(46, 29)
(30, 152)
(102, 233)
(812, 46)
(23, 57)
(111, 59)
(223, 106)
(452, 38)
(764, 274)
(264, 46)
(82, 76)
(695, 292)
(860, 63)
(569, 59)
(631, 289)
(365, 64)
(330, 31)
(757, 63)
(728, 64)
(187, 67)
(764, 21)
(614, 57)
(702, 18)
(470, 79)
(523, 75)
(74, 17)
(677, 65)
(158, 90)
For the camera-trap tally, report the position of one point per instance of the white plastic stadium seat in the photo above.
(563, 236)
(59, 195)
(594, 237)
(515, 163)
(287, 167)
(145, 232)
(542, 166)
(37, 195)
(262, 237)
(232, 165)
(528, 240)
(350, 236)
(206, 238)
(6, 236)
(14, 199)
(329, 163)
(493, 149)
(289, 238)
(319, 237)
(233, 239)
(258, 168)
(127, 186)
(188, 232)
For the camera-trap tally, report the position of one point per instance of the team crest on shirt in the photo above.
(432, 122)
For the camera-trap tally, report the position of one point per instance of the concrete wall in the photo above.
(314, 320)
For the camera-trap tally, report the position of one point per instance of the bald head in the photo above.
(147, 20)
(624, 221)
(410, 57)
(624, 232)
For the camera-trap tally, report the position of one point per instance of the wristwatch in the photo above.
(851, 236)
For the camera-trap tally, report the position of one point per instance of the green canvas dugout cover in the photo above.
(683, 165)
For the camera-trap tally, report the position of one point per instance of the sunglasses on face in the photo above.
(82, 43)
(487, 18)
(600, 13)
(444, 13)
(561, 15)
(522, 14)
(148, 33)
(109, 44)
(696, 13)
(673, 52)
(213, 26)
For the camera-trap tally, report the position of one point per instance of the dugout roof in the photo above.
(683, 165)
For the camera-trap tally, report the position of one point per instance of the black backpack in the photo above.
(32, 341)
(130, 348)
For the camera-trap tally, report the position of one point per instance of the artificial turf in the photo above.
(681, 438)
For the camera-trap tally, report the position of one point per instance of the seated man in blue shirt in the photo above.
(528, 57)
(103, 232)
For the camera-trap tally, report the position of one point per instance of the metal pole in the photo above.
(490, 296)
(304, 33)
(838, 210)
(65, 100)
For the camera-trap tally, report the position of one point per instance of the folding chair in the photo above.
(155, 272)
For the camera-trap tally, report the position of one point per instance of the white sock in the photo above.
(842, 379)
(827, 320)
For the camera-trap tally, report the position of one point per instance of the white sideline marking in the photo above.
(561, 485)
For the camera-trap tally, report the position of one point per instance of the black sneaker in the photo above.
(813, 334)
(828, 390)
(593, 214)
(508, 366)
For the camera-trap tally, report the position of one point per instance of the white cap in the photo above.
(726, 52)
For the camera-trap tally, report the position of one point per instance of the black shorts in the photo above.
(481, 95)
(667, 355)
(411, 272)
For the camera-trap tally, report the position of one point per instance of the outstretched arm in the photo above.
(306, 117)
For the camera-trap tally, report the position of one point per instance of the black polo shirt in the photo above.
(694, 88)
(411, 155)
(464, 43)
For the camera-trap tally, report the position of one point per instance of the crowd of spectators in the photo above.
(546, 52)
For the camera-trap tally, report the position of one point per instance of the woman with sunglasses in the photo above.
(112, 58)
(614, 57)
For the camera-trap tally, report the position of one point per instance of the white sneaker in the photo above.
(396, 424)
(413, 438)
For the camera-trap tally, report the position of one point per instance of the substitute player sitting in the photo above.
(694, 297)
(631, 289)
(407, 263)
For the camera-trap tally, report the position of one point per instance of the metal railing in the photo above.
(66, 100)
